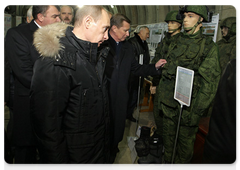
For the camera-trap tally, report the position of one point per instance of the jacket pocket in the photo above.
(78, 140)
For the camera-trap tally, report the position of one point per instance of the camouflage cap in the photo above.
(230, 23)
(227, 22)
(198, 9)
(172, 16)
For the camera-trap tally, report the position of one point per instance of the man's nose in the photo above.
(105, 35)
(58, 19)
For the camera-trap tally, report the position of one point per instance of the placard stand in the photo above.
(139, 89)
(182, 93)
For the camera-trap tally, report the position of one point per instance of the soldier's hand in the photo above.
(160, 63)
(153, 89)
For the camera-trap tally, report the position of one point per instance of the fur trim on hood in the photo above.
(47, 39)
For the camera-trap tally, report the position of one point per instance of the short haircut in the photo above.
(118, 19)
(41, 9)
(95, 11)
(29, 12)
(67, 6)
(140, 28)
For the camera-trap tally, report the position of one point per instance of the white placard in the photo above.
(141, 59)
(211, 28)
(183, 85)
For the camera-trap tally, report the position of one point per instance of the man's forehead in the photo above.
(189, 13)
(66, 8)
(125, 24)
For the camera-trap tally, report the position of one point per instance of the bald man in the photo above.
(68, 92)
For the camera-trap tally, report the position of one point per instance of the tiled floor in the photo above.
(124, 154)
(123, 160)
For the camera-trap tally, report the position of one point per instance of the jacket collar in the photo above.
(33, 26)
(86, 48)
(196, 35)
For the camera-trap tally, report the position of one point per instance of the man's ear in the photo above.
(201, 19)
(40, 17)
(88, 21)
(114, 28)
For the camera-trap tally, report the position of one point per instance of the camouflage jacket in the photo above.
(227, 50)
(162, 51)
(198, 53)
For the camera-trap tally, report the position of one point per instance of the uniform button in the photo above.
(57, 59)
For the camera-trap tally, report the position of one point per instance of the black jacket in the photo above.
(118, 79)
(69, 101)
(139, 47)
(220, 143)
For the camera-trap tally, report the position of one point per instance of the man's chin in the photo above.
(99, 43)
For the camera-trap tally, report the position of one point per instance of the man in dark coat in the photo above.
(6, 160)
(120, 63)
(220, 143)
(140, 48)
(69, 103)
(4, 76)
(21, 56)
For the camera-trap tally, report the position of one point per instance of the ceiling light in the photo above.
(80, 4)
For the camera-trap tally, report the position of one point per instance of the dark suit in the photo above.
(21, 55)
(118, 68)
(4, 72)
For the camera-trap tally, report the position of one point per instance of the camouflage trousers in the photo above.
(158, 116)
(167, 127)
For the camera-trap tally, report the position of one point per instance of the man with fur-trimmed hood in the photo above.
(20, 58)
(68, 94)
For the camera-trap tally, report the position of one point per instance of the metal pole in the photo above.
(138, 102)
(139, 88)
(175, 144)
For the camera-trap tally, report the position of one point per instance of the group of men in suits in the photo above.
(21, 56)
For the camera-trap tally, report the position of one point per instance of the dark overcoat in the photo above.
(4, 72)
(21, 55)
(118, 82)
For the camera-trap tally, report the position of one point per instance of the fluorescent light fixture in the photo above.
(80, 4)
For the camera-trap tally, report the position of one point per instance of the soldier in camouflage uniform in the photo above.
(227, 45)
(197, 52)
(174, 28)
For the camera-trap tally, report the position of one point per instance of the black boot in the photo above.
(155, 151)
(142, 144)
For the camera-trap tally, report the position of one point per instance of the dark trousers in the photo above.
(132, 102)
(25, 154)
